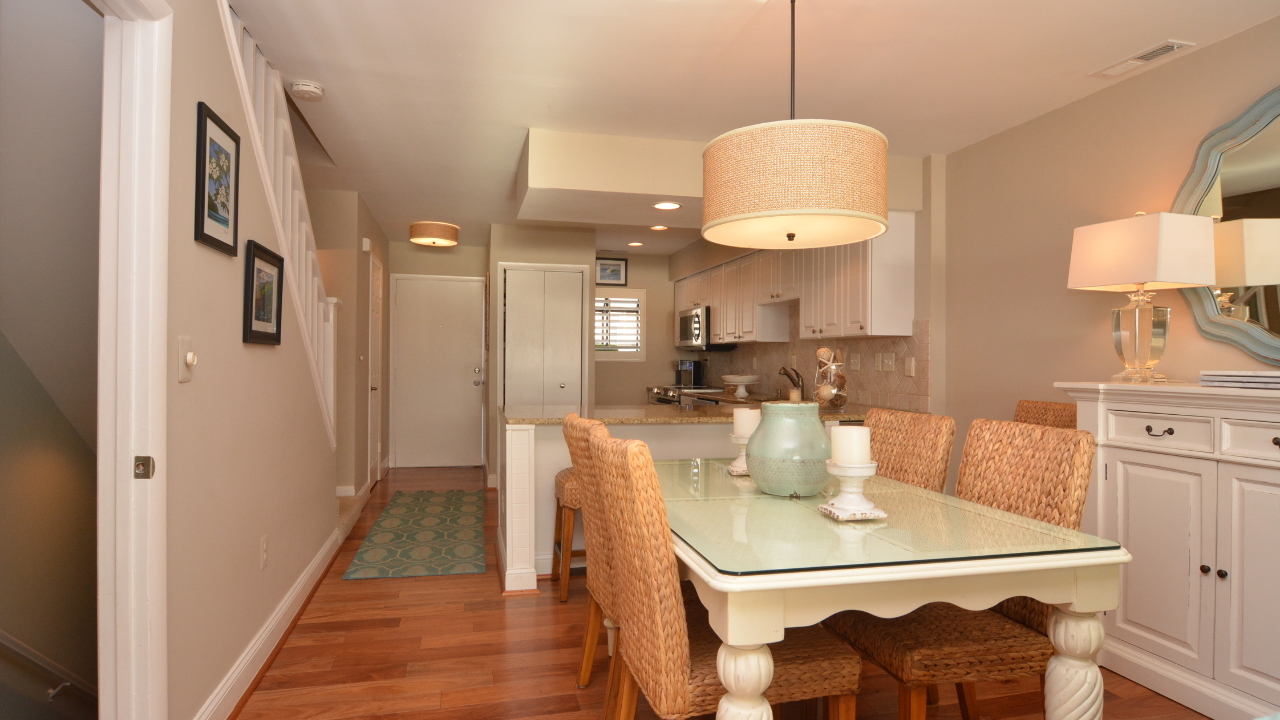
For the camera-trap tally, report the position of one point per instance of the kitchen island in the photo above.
(532, 450)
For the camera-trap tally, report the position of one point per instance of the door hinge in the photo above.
(144, 467)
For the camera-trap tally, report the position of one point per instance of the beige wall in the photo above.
(525, 244)
(1012, 201)
(623, 383)
(460, 260)
(248, 451)
(341, 220)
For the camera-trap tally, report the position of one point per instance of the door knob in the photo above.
(562, 386)
(476, 383)
(1222, 573)
(1205, 569)
(475, 370)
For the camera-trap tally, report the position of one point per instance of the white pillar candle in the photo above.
(850, 445)
(745, 421)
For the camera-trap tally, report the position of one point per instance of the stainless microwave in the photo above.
(695, 328)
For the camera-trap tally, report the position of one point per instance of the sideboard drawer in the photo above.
(1251, 439)
(1182, 432)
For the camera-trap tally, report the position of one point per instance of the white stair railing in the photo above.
(271, 139)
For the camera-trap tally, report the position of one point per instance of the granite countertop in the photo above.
(727, 397)
(673, 415)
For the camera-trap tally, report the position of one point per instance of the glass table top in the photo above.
(742, 531)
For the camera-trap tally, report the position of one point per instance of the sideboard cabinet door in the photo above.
(1248, 627)
(1162, 510)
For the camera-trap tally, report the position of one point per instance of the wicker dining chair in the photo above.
(666, 648)
(568, 500)
(596, 532)
(1039, 412)
(1033, 470)
(912, 447)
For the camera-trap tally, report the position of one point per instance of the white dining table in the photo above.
(763, 563)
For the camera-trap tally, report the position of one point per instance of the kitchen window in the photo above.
(619, 325)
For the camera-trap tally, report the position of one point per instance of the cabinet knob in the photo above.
(1275, 441)
(813, 330)
(1222, 574)
(1205, 569)
(561, 386)
(1162, 433)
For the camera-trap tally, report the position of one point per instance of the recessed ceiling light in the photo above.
(635, 244)
(667, 205)
(658, 227)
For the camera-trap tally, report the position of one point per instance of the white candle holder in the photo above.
(739, 465)
(851, 503)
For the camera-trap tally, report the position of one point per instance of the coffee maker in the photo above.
(691, 373)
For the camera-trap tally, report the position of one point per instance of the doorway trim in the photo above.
(373, 450)
(133, 285)
(390, 382)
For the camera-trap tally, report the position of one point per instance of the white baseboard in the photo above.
(1202, 694)
(513, 580)
(493, 480)
(232, 688)
(346, 490)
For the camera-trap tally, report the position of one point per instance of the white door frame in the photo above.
(373, 453)
(133, 311)
(588, 337)
(391, 385)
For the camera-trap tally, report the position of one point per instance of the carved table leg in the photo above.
(1073, 682)
(745, 671)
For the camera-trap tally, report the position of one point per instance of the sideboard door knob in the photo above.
(1222, 574)
(1205, 569)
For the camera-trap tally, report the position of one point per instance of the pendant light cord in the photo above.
(793, 59)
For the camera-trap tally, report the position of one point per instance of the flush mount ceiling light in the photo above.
(439, 234)
(635, 244)
(667, 205)
(795, 183)
(658, 227)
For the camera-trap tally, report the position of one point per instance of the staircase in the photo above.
(271, 139)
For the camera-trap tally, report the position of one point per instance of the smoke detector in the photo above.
(1149, 55)
(307, 90)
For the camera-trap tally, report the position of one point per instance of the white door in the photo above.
(1164, 516)
(376, 391)
(1247, 634)
(542, 343)
(437, 370)
(562, 354)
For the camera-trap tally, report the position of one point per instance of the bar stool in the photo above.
(568, 500)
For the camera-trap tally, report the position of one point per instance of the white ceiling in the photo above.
(427, 101)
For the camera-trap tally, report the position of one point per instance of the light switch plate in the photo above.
(184, 347)
(854, 362)
(888, 362)
(909, 367)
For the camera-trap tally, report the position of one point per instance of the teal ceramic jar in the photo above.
(788, 452)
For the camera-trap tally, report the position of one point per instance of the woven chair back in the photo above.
(911, 447)
(1037, 471)
(577, 434)
(654, 639)
(1039, 412)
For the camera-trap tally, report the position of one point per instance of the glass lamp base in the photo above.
(1139, 376)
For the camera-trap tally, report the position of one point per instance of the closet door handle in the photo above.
(1205, 569)
(1222, 574)
(1166, 431)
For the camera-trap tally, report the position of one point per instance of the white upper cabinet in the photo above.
(788, 282)
(728, 305)
(714, 296)
(766, 276)
(855, 288)
(748, 286)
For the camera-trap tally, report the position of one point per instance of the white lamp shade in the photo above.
(1158, 251)
(824, 181)
(433, 233)
(1247, 252)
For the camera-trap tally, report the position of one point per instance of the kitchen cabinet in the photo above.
(748, 284)
(728, 303)
(1199, 510)
(766, 262)
(855, 287)
(715, 300)
(788, 282)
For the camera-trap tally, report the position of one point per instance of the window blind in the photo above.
(617, 325)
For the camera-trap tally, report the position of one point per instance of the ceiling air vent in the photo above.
(1146, 56)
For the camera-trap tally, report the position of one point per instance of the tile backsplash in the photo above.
(867, 386)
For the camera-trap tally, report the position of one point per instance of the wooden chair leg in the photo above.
(842, 707)
(590, 639)
(967, 693)
(932, 694)
(628, 693)
(555, 543)
(911, 702)
(566, 550)
(611, 688)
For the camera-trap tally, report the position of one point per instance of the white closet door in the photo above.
(562, 352)
(523, 344)
(1164, 516)
(1248, 636)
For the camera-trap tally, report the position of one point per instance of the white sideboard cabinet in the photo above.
(1187, 479)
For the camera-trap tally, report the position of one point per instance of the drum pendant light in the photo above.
(440, 234)
(795, 184)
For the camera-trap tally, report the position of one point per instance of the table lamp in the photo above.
(1137, 255)
(1247, 254)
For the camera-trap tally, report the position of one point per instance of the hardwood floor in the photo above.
(453, 647)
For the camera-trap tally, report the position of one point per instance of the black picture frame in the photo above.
(263, 294)
(611, 272)
(217, 183)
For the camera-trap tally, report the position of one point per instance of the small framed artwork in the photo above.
(263, 294)
(217, 182)
(611, 271)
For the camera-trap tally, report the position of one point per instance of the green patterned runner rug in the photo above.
(424, 533)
